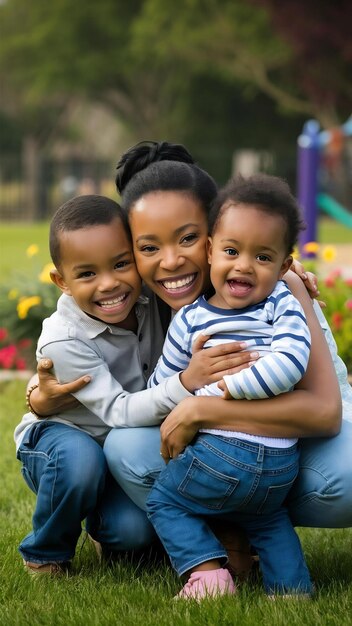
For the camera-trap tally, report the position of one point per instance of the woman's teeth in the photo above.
(177, 284)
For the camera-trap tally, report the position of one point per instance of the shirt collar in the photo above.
(67, 305)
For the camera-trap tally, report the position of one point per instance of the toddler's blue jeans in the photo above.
(236, 480)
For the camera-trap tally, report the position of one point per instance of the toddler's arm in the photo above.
(280, 370)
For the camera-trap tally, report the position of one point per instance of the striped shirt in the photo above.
(275, 327)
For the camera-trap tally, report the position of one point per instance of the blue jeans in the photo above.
(67, 470)
(237, 480)
(320, 498)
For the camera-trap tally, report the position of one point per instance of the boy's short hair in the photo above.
(82, 212)
(270, 194)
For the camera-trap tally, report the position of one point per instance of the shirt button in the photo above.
(145, 366)
(140, 337)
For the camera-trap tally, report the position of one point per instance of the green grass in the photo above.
(14, 241)
(135, 595)
(330, 231)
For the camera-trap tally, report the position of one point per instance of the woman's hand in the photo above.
(51, 397)
(179, 428)
(211, 364)
(309, 279)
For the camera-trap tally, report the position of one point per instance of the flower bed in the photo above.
(25, 300)
(336, 292)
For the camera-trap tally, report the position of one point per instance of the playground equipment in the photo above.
(311, 143)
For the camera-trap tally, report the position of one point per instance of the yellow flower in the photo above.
(25, 304)
(311, 247)
(44, 275)
(32, 250)
(295, 254)
(13, 294)
(329, 254)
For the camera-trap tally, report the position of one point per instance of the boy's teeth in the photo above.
(112, 302)
(176, 284)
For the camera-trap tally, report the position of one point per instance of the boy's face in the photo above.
(247, 255)
(98, 271)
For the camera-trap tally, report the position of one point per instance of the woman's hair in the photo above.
(151, 167)
(270, 194)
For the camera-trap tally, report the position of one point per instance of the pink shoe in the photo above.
(216, 582)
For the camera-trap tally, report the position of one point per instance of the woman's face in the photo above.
(169, 234)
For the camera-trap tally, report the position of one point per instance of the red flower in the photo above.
(348, 305)
(20, 364)
(23, 344)
(3, 334)
(329, 281)
(336, 320)
(7, 356)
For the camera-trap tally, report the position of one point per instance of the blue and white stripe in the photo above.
(276, 328)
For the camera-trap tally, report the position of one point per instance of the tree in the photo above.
(319, 35)
(54, 54)
(283, 49)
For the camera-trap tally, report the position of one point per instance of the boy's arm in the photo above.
(282, 368)
(105, 396)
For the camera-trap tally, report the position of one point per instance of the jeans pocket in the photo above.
(204, 485)
(274, 498)
(28, 479)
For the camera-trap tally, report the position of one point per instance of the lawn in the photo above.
(131, 594)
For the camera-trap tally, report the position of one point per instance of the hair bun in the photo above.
(144, 153)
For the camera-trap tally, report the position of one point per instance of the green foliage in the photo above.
(141, 58)
(26, 298)
(336, 292)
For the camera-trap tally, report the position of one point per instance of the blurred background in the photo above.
(237, 81)
(234, 80)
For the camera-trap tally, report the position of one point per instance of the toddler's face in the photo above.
(248, 256)
(98, 270)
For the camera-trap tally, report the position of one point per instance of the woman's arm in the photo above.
(312, 409)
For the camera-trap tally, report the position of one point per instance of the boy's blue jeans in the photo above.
(67, 470)
(240, 481)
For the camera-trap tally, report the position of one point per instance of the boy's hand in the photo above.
(51, 397)
(211, 364)
(222, 385)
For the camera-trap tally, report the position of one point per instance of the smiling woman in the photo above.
(167, 198)
(169, 243)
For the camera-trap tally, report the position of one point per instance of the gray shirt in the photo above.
(119, 363)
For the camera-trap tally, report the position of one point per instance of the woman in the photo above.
(167, 199)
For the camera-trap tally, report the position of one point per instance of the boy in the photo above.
(254, 225)
(106, 326)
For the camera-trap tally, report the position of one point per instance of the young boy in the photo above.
(104, 326)
(237, 476)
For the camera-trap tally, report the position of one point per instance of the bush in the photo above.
(336, 292)
(25, 300)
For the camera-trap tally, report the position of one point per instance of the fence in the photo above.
(36, 197)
